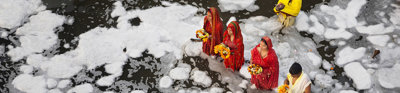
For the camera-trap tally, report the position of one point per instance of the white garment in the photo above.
(300, 84)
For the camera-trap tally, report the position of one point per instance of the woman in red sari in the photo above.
(213, 26)
(265, 56)
(234, 40)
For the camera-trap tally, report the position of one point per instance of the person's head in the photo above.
(230, 32)
(234, 29)
(266, 43)
(213, 15)
(295, 70)
(209, 16)
(263, 44)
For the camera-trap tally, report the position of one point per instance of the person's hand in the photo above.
(280, 6)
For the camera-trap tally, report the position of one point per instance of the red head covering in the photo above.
(214, 29)
(236, 60)
(268, 78)
(234, 26)
(215, 17)
(268, 40)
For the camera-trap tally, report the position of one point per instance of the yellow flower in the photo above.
(254, 69)
(283, 88)
(202, 35)
(223, 50)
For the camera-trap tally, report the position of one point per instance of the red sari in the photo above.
(235, 61)
(215, 31)
(269, 65)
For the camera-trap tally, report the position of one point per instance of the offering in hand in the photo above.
(202, 34)
(254, 69)
(283, 88)
(223, 50)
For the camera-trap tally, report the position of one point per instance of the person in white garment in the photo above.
(297, 80)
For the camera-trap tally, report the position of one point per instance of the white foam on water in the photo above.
(379, 40)
(244, 84)
(201, 77)
(192, 48)
(55, 91)
(83, 88)
(388, 55)
(37, 35)
(26, 69)
(317, 28)
(63, 83)
(229, 77)
(387, 77)
(315, 59)
(29, 83)
(137, 91)
(395, 16)
(326, 65)
(180, 73)
(348, 91)
(324, 81)
(236, 5)
(377, 29)
(119, 10)
(349, 54)
(337, 34)
(359, 75)
(14, 12)
(51, 83)
(302, 21)
(3, 34)
(216, 90)
(165, 82)
(244, 72)
(115, 69)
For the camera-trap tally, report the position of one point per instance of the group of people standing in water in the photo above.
(262, 55)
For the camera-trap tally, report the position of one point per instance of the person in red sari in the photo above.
(234, 40)
(213, 26)
(264, 55)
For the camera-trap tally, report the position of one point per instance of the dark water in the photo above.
(89, 14)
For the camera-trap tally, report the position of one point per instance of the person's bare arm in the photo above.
(251, 60)
(286, 81)
(308, 89)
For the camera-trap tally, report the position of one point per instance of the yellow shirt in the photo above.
(299, 85)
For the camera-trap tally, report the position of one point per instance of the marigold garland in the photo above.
(283, 88)
(203, 35)
(254, 69)
(223, 50)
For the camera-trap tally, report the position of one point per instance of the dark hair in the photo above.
(295, 68)
(264, 41)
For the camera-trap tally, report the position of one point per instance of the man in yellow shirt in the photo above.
(297, 80)
(287, 10)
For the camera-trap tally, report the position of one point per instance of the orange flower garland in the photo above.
(254, 69)
(224, 51)
(202, 35)
(283, 88)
